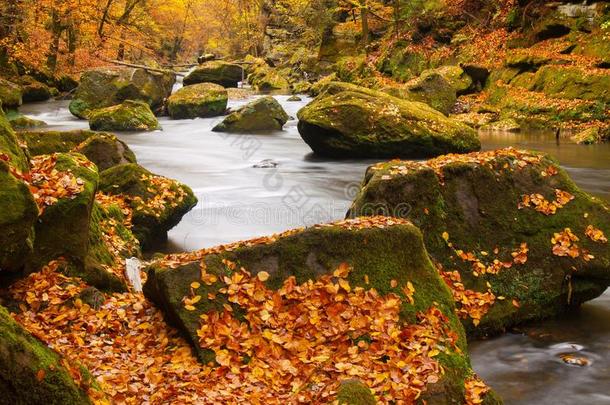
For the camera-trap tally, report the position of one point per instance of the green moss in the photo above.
(150, 226)
(128, 116)
(262, 114)
(198, 100)
(354, 392)
(20, 121)
(23, 359)
(265, 78)
(10, 94)
(9, 145)
(433, 89)
(572, 82)
(478, 206)
(357, 124)
(106, 151)
(217, 72)
(49, 142)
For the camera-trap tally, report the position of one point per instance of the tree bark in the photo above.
(56, 30)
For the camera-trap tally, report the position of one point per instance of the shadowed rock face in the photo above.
(512, 224)
(378, 250)
(105, 87)
(366, 123)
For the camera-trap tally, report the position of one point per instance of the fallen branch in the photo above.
(133, 65)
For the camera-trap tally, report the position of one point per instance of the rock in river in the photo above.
(262, 114)
(198, 100)
(333, 270)
(128, 116)
(219, 72)
(513, 236)
(370, 124)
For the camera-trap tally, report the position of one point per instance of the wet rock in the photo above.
(158, 203)
(106, 151)
(512, 223)
(262, 114)
(373, 124)
(34, 90)
(10, 94)
(266, 164)
(32, 373)
(128, 116)
(294, 98)
(19, 121)
(105, 87)
(198, 100)
(574, 360)
(378, 253)
(218, 72)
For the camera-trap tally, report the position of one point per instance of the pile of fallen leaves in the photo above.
(475, 391)
(108, 200)
(165, 193)
(49, 185)
(564, 244)
(469, 303)
(298, 343)
(596, 235)
(541, 204)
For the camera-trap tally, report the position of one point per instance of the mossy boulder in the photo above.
(10, 147)
(433, 89)
(377, 254)
(357, 124)
(128, 116)
(10, 94)
(266, 78)
(103, 149)
(32, 90)
(572, 82)
(62, 230)
(198, 100)
(32, 373)
(158, 203)
(218, 72)
(19, 121)
(354, 392)
(591, 136)
(105, 87)
(499, 218)
(262, 114)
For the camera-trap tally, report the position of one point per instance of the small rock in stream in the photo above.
(573, 360)
(266, 164)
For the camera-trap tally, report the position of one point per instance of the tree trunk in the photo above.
(364, 16)
(71, 45)
(56, 30)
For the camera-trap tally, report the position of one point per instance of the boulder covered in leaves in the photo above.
(219, 72)
(198, 100)
(354, 299)
(262, 114)
(157, 203)
(18, 210)
(370, 124)
(511, 233)
(32, 373)
(103, 149)
(127, 116)
(105, 87)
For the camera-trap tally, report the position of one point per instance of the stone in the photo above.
(201, 100)
(262, 114)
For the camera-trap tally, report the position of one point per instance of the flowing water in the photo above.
(294, 188)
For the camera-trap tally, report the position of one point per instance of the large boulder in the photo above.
(32, 373)
(512, 233)
(357, 124)
(198, 100)
(157, 203)
(262, 114)
(18, 210)
(572, 82)
(33, 90)
(303, 300)
(103, 149)
(128, 116)
(20, 122)
(10, 94)
(105, 87)
(219, 72)
(265, 78)
(433, 89)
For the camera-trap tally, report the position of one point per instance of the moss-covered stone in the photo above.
(10, 94)
(63, 228)
(10, 148)
(505, 125)
(158, 203)
(127, 116)
(219, 72)
(265, 78)
(32, 90)
(354, 392)
(433, 89)
(198, 100)
(373, 124)
(572, 82)
(105, 87)
(30, 372)
(478, 200)
(262, 114)
(591, 136)
(376, 255)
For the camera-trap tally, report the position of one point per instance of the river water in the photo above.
(239, 201)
